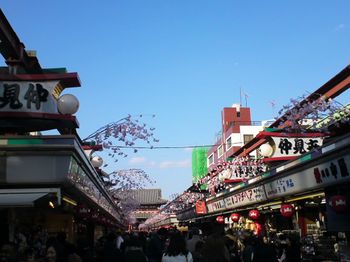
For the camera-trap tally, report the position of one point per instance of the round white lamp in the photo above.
(97, 161)
(68, 104)
(221, 176)
(266, 150)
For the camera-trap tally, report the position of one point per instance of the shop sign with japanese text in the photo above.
(250, 196)
(35, 97)
(295, 146)
(216, 206)
(325, 174)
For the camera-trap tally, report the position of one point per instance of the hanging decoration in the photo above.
(338, 203)
(258, 228)
(235, 217)
(183, 201)
(220, 219)
(237, 170)
(199, 163)
(254, 214)
(303, 114)
(287, 210)
(200, 207)
(123, 134)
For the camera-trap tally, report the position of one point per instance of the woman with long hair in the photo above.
(176, 250)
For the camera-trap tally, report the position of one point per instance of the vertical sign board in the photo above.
(33, 97)
(200, 207)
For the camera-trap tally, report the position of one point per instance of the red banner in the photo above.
(200, 207)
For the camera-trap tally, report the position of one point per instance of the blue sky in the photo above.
(184, 61)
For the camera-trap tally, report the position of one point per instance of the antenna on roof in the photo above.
(241, 92)
(240, 96)
(246, 99)
(273, 104)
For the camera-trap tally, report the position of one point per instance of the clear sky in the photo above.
(183, 60)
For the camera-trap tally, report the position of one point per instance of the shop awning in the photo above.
(24, 197)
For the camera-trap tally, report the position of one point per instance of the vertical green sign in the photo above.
(199, 163)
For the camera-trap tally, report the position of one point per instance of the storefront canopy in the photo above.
(24, 197)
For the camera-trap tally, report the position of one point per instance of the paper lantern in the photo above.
(287, 210)
(234, 217)
(338, 203)
(220, 219)
(254, 214)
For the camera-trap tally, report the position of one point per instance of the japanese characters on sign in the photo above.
(294, 146)
(332, 171)
(250, 196)
(327, 173)
(281, 186)
(28, 97)
(216, 206)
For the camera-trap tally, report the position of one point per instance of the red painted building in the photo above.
(237, 130)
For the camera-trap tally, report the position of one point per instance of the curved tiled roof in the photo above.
(148, 196)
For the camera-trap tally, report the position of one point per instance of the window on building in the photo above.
(247, 138)
(210, 159)
(228, 143)
(220, 151)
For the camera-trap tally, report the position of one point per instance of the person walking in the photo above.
(193, 239)
(214, 250)
(176, 250)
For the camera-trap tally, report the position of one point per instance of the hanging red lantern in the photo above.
(220, 219)
(235, 217)
(287, 210)
(338, 203)
(254, 214)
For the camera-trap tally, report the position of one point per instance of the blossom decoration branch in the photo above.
(126, 132)
(122, 183)
(303, 115)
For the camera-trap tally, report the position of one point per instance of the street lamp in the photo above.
(97, 161)
(266, 150)
(68, 104)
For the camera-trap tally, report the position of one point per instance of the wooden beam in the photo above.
(13, 50)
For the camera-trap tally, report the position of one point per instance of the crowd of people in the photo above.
(160, 246)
